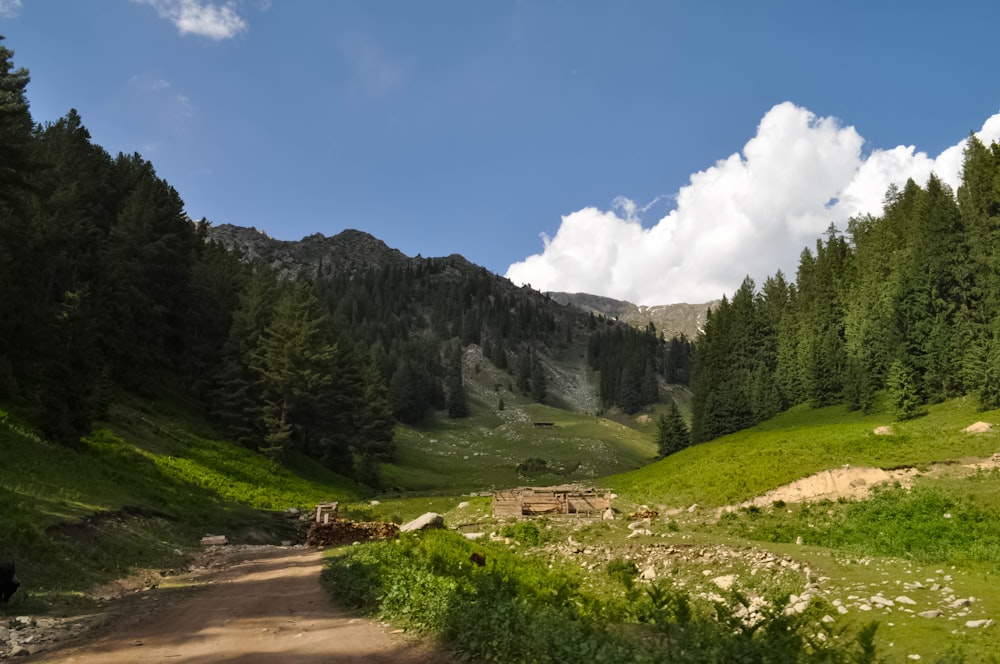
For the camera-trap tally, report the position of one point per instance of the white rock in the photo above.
(903, 599)
(841, 609)
(933, 613)
(827, 619)
(882, 601)
(975, 624)
(648, 574)
(474, 536)
(463, 504)
(423, 522)
(959, 603)
(915, 658)
(725, 582)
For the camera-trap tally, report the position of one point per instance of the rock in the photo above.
(882, 431)
(463, 504)
(933, 613)
(648, 574)
(374, 503)
(724, 582)
(423, 522)
(214, 540)
(798, 540)
(827, 619)
(915, 658)
(903, 599)
(474, 536)
(882, 602)
(608, 515)
(976, 624)
(959, 603)
(19, 651)
(841, 609)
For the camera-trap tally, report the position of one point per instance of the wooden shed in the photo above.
(570, 500)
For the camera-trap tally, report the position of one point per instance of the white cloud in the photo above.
(198, 17)
(10, 8)
(751, 213)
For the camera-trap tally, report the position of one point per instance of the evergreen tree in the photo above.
(539, 387)
(294, 360)
(458, 402)
(672, 432)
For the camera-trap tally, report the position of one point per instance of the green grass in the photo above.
(483, 452)
(522, 609)
(802, 442)
(138, 490)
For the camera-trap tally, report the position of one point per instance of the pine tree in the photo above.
(458, 402)
(294, 360)
(672, 432)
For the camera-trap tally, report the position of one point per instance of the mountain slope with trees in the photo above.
(316, 347)
(905, 304)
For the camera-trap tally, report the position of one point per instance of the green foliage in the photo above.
(518, 609)
(136, 491)
(525, 532)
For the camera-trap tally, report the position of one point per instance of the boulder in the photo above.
(426, 521)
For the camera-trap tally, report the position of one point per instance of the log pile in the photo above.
(342, 531)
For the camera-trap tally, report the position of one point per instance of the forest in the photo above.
(109, 286)
(898, 311)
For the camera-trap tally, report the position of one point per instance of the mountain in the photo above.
(350, 251)
(397, 309)
(671, 319)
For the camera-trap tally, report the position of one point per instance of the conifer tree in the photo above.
(672, 432)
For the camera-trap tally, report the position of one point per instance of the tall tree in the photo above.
(672, 433)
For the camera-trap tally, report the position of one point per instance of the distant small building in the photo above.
(569, 500)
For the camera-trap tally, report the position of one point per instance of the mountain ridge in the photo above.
(354, 251)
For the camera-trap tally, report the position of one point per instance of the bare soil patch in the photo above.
(243, 604)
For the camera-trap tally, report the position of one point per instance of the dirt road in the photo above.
(264, 606)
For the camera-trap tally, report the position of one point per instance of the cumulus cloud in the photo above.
(197, 17)
(10, 8)
(749, 214)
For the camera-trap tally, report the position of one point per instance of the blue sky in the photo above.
(650, 151)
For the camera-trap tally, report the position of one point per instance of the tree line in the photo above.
(902, 307)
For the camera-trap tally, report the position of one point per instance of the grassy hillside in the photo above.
(484, 450)
(799, 443)
(137, 492)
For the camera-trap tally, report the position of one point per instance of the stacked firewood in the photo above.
(342, 531)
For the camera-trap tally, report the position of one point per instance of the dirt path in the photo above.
(264, 606)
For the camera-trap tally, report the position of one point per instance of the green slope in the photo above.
(137, 492)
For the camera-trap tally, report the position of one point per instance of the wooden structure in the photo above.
(326, 512)
(569, 500)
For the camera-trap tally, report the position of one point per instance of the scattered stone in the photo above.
(827, 619)
(915, 658)
(883, 431)
(841, 609)
(933, 613)
(959, 603)
(882, 602)
(19, 651)
(214, 540)
(648, 574)
(463, 504)
(474, 536)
